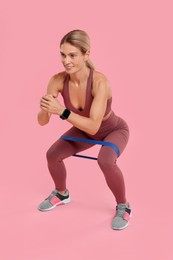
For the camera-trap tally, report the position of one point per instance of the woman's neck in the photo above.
(80, 76)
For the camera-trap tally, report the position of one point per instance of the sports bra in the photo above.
(89, 98)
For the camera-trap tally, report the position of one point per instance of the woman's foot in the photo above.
(54, 199)
(122, 217)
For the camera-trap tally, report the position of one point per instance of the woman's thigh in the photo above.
(118, 137)
(64, 148)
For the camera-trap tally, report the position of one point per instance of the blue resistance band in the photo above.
(90, 141)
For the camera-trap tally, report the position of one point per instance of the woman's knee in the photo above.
(106, 158)
(106, 162)
(52, 155)
(49, 155)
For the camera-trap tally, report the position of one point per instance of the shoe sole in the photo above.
(121, 227)
(65, 201)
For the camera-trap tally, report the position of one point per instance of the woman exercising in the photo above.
(87, 106)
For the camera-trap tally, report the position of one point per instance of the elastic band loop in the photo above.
(91, 141)
(85, 156)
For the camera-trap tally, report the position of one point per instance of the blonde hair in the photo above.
(81, 40)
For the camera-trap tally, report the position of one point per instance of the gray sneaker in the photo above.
(122, 217)
(54, 200)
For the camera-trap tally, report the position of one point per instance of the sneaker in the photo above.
(54, 199)
(122, 217)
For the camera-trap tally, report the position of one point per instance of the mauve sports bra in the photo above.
(89, 98)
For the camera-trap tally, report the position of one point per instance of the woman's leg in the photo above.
(107, 161)
(60, 150)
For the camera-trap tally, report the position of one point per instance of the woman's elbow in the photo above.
(94, 129)
(92, 132)
(42, 123)
(43, 118)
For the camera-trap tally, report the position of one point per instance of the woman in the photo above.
(87, 106)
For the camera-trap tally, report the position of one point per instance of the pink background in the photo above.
(132, 44)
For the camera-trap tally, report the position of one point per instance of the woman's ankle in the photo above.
(62, 191)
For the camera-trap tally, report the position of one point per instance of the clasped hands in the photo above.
(51, 104)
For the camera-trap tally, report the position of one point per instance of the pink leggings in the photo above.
(107, 158)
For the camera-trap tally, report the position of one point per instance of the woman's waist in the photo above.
(112, 123)
(115, 120)
(107, 116)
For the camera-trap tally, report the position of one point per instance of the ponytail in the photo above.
(90, 64)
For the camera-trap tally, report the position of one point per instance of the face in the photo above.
(72, 58)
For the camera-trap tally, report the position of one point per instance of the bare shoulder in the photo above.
(101, 83)
(55, 84)
(58, 78)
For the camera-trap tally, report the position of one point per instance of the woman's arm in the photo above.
(53, 89)
(43, 117)
(89, 125)
(92, 124)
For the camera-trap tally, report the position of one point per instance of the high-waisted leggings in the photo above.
(114, 130)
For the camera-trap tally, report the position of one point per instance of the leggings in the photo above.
(107, 159)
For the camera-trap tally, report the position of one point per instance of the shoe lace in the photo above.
(120, 211)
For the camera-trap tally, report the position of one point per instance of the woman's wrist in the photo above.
(61, 110)
(65, 114)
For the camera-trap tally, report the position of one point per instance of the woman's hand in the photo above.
(50, 104)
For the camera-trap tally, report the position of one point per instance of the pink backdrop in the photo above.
(132, 44)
